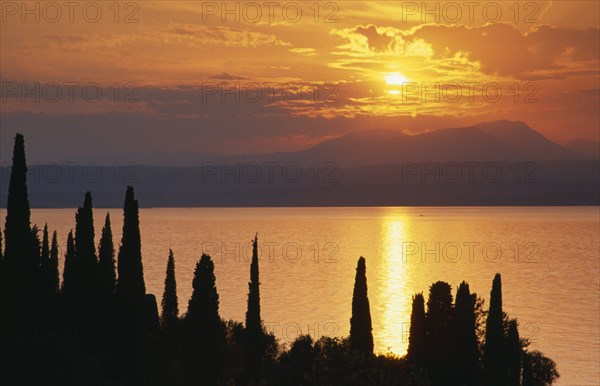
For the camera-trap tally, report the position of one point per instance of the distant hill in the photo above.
(587, 148)
(502, 141)
(485, 142)
(527, 141)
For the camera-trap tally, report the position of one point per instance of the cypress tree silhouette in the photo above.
(494, 354)
(107, 276)
(85, 269)
(137, 313)
(418, 331)
(204, 335)
(254, 334)
(67, 284)
(18, 215)
(513, 349)
(131, 273)
(361, 330)
(465, 344)
(253, 320)
(439, 344)
(20, 263)
(170, 306)
(53, 279)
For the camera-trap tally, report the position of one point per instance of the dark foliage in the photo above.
(513, 352)
(67, 284)
(48, 270)
(332, 362)
(53, 279)
(538, 370)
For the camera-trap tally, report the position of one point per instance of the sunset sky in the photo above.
(348, 61)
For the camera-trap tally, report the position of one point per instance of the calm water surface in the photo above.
(548, 258)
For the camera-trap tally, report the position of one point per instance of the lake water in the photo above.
(548, 258)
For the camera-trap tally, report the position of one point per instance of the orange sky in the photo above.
(347, 59)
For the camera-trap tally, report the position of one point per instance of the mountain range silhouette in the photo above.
(501, 140)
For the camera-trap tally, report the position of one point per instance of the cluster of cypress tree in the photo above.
(199, 337)
(444, 341)
(86, 305)
(102, 322)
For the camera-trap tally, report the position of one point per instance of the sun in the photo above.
(395, 78)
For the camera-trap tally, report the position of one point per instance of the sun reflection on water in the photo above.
(393, 321)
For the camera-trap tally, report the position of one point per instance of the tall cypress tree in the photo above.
(53, 279)
(513, 350)
(68, 287)
(20, 263)
(204, 334)
(418, 331)
(494, 354)
(107, 276)
(131, 272)
(464, 334)
(361, 330)
(170, 306)
(86, 264)
(253, 320)
(18, 215)
(253, 345)
(439, 344)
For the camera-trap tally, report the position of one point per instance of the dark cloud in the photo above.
(226, 76)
